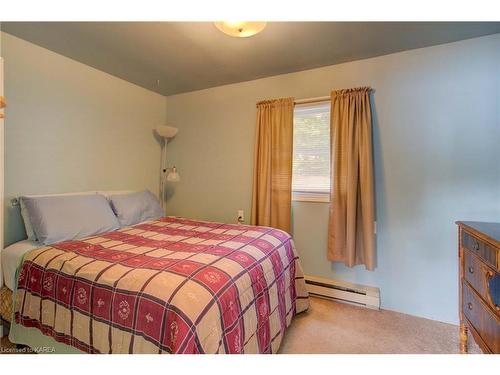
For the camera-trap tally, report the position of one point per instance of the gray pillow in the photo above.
(25, 215)
(60, 218)
(134, 208)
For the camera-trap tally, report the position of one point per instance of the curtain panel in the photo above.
(351, 236)
(272, 176)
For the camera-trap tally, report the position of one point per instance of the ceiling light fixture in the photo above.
(240, 29)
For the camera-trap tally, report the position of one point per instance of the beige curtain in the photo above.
(351, 237)
(272, 175)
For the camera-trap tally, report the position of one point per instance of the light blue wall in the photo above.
(70, 127)
(437, 156)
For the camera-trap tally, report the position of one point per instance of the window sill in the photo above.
(305, 196)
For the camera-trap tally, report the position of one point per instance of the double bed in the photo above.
(11, 258)
(170, 285)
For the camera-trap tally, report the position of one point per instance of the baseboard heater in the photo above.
(341, 291)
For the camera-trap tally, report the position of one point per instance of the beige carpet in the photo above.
(332, 327)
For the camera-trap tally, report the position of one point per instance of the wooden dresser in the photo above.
(479, 252)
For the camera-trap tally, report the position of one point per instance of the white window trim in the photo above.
(311, 196)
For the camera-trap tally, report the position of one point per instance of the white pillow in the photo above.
(26, 218)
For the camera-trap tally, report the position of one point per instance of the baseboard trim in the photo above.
(341, 291)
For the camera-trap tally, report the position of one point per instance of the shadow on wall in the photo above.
(378, 176)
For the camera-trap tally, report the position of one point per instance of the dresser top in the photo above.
(490, 230)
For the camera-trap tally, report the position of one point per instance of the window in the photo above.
(311, 152)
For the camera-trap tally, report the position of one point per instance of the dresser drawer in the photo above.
(486, 323)
(481, 248)
(479, 276)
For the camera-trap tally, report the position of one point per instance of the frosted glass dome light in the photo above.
(240, 29)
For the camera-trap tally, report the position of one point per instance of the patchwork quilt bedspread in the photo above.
(167, 286)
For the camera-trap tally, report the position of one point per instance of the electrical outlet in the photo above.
(241, 216)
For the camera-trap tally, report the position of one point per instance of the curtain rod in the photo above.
(313, 100)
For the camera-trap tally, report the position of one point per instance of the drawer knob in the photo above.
(471, 270)
(469, 305)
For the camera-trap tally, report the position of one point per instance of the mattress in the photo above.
(11, 259)
(167, 286)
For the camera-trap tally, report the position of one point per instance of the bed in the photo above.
(170, 285)
(11, 258)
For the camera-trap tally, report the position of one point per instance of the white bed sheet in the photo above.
(11, 258)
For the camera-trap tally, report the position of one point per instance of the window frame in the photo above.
(319, 196)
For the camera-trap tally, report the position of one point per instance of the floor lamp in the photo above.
(166, 173)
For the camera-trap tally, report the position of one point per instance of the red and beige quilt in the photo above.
(167, 286)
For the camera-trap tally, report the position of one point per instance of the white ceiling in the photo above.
(187, 56)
